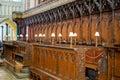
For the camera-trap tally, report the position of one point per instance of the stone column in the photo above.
(2, 33)
(7, 32)
(36, 2)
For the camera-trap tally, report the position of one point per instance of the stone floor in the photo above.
(5, 74)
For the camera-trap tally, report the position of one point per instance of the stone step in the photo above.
(25, 70)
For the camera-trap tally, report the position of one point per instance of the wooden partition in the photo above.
(84, 17)
(64, 63)
(10, 51)
(24, 52)
(113, 62)
(18, 54)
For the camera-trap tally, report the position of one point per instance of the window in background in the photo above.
(17, 0)
(6, 0)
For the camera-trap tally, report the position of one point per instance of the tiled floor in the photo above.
(7, 75)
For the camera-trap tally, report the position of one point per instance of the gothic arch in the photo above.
(12, 25)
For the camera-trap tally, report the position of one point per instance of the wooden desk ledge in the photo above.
(22, 52)
(18, 66)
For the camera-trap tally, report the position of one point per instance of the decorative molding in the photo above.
(45, 7)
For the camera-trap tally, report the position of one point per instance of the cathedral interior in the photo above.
(59, 39)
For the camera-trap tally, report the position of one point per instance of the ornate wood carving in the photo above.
(60, 16)
(88, 6)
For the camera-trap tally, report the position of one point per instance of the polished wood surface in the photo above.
(57, 62)
(81, 17)
(18, 54)
(10, 50)
(64, 63)
(84, 17)
(113, 62)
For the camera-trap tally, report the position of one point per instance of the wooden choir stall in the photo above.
(18, 56)
(74, 40)
(64, 63)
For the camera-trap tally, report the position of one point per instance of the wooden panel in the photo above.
(117, 28)
(117, 78)
(117, 64)
(113, 63)
(85, 31)
(104, 31)
(69, 28)
(58, 30)
(18, 54)
(77, 29)
(66, 63)
(64, 29)
(49, 31)
(103, 24)
(93, 29)
(54, 29)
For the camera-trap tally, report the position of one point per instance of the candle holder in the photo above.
(53, 36)
(43, 37)
(36, 37)
(21, 37)
(26, 37)
(97, 35)
(40, 36)
(60, 36)
(71, 35)
(75, 36)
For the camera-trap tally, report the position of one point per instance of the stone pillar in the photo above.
(37, 2)
(24, 33)
(2, 33)
(7, 32)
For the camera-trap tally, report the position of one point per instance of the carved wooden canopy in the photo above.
(73, 10)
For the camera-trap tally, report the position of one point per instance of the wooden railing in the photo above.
(59, 63)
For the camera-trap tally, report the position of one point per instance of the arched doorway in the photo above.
(11, 25)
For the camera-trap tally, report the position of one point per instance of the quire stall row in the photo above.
(63, 62)
(79, 40)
